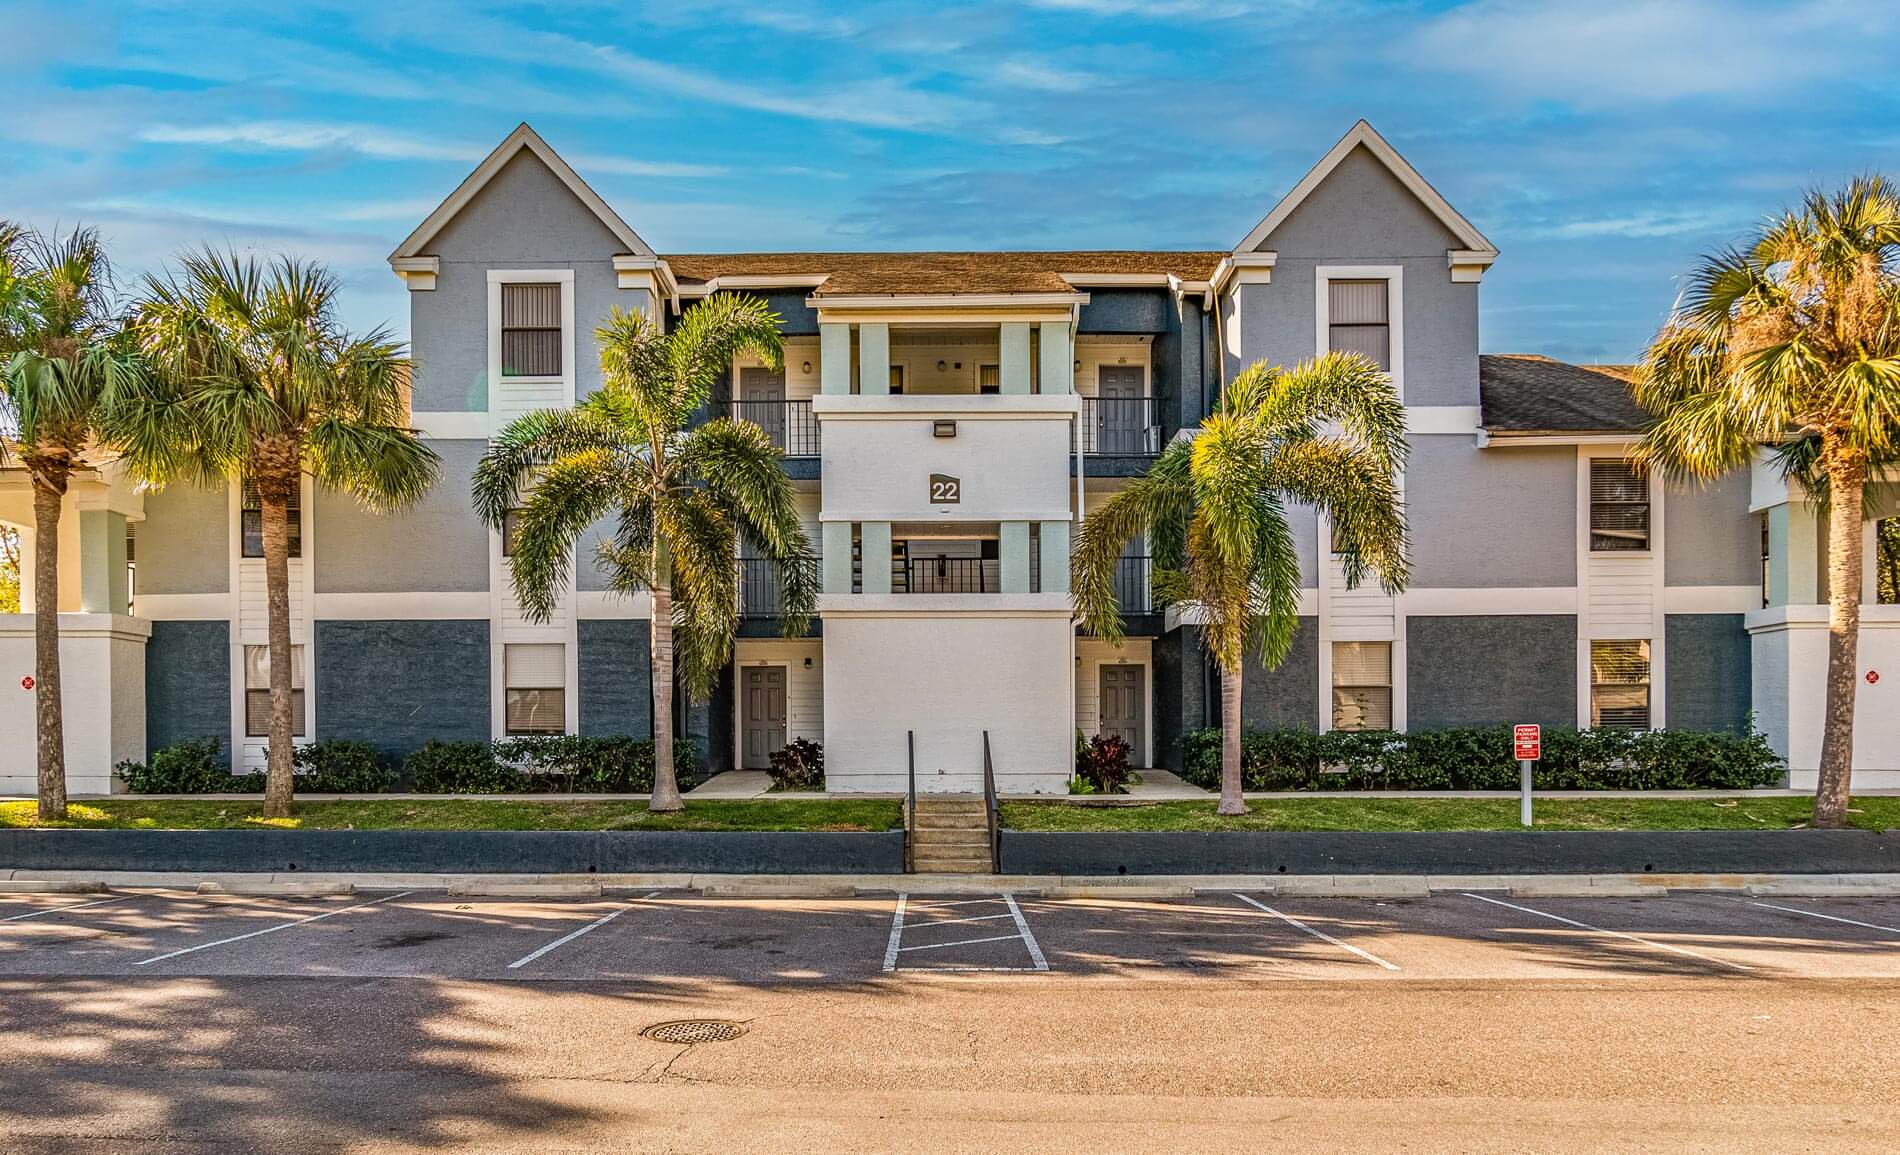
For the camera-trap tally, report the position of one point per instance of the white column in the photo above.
(874, 359)
(834, 358)
(1055, 557)
(874, 538)
(836, 544)
(1055, 364)
(1013, 338)
(1013, 550)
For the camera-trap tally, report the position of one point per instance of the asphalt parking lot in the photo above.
(663, 935)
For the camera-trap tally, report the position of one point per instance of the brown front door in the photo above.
(1123, 710)
(763, 728)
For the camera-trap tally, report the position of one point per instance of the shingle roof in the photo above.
(876, 274)
(1525, 393)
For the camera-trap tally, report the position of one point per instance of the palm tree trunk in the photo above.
(666, 787)
(278, 780)
(1846, 475)
(47, 492)
(1231, 801)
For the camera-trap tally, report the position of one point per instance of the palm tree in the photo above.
(1793, 340)
(1329, 433)
(255, 381)
(62, 353)
(683, 498)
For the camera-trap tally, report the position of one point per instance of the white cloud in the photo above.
(287, 136)
(1031, 72)
(1639, 224)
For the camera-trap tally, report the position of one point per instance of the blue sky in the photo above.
(1601, 145)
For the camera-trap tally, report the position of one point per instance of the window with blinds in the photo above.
(1358, 319)
(1619, 505)
(1619, 685)
(531, 330)
(536, 682)
(251, 522)
(257, 692)
(1362, 685)
(989, 378)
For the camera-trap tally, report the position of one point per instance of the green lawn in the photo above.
(1448, 814)
(458, 814)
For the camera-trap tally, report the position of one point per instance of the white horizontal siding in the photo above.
(1366, 614)
(1095, 352)
(804, 688)
(1622, 595)
(514, 396)
(254, 602)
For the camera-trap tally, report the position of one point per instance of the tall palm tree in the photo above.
(683, 498)
(1328, 433)
(256, 381)
(1793, 340)
(62, 353)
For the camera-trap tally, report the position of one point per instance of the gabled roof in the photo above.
(1363, 134)
(522, 137)
(898, 273)
(1525, 393)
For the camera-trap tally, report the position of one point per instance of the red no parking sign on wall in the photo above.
(1528, 740)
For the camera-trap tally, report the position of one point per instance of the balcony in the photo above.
(1121, 426)
(948, 575)
(789, 424)
(1134, 585)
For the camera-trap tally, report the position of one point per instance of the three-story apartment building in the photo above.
(948, 418)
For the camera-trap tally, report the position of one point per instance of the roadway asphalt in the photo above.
(161, 1022)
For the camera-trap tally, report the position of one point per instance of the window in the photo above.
(1887, 561)
(1619, 685)
(131, 562)
(989, 378)
(536, 677)
(510, 529)
(1764, 561)
(1619, 505)
(1358, 319)
(897, 379)
(252, 518)
(257, 692)
(531, 330)
(1362, 685)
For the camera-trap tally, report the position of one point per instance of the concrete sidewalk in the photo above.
(1395, 886)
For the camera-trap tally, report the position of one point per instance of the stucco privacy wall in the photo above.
(616, 672)
(1709, 537)
(437, 545)
(397, 684)
(188, 683)
(1708, 672)
(524, 218)
(184, 543)
(1361, 215)
(949, 676)
(1481, 671)
(1489, 518)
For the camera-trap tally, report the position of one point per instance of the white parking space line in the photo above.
(570, 937)
(1829, 917)
(959, 942)
(951, 902)
(897, 935)
(271, 929)
(1616, 933)
(68, 906)
(955, 921)
(1319, 934)
(1029, 940)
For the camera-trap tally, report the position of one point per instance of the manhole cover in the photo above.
(690, 1031)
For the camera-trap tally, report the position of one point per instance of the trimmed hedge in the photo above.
(1479, 758)
(569, 764)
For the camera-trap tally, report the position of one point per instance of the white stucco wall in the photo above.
(102, 681)
(949, 676)
(1790, 667)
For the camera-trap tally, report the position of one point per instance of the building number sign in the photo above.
(945, 490)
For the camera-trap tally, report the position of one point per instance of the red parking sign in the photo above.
(1528, 741)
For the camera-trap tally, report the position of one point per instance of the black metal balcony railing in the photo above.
(1134, 585)
(1121, 426)
(790, 424)
(949, 575)
(758, 588)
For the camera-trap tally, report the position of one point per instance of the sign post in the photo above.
(1527, 741)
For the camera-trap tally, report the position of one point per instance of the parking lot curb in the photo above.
(489, 888)
(270, 889)
(51, 886)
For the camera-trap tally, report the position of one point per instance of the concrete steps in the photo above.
(950, 834)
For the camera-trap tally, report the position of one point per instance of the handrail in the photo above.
(910, 805)
(989, 806)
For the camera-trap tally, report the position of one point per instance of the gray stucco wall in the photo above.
(1362, 215)
(187, 683)
(1483, 518)
(1483, 671)
(1706, 661)
(616, 669)
(1180, 692)
(1709, 537)
(184, 543)
(397, 684)
(1127, 311)
(1287, 695)
(524, 219)
(439, 545)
